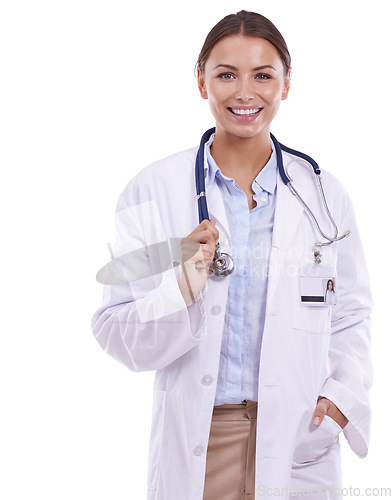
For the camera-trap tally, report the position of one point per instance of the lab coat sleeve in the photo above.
(351, 374)
(146, 324)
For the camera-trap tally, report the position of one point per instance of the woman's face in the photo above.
(329, 285)
(244, 82)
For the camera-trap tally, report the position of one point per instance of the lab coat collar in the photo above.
(209, 176)
(215, 203)
(288, 210)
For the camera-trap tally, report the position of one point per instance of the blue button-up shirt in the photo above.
(251, 237)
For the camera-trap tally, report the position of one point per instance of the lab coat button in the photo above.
(216, 309)
(206, 380)
(199, 450)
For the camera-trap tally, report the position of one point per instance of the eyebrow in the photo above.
(229, 66)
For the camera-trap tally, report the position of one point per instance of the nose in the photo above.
(244, 91)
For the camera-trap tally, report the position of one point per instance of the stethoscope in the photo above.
(223, 264)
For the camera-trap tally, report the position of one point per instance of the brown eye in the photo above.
(226, 76)
(263, 76)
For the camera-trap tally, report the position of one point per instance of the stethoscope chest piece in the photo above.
(222, 264)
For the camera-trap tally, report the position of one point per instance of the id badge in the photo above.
(317, 286)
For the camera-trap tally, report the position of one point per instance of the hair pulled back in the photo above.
(248, 24)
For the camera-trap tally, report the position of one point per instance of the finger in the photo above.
(204, 253)
(216, 232)
(201, 252)
(189, 248)
(192, 246)
(207, 253)
(320, 412)
(210, 225)
(208, 257)
(205, 232)
(205, 236)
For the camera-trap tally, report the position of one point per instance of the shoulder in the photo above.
(174, 163)
(159, 175)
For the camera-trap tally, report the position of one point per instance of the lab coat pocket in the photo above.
(316, 441)
(312, 319)
(158, 412)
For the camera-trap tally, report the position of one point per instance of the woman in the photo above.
(330, 294)
(252, 388)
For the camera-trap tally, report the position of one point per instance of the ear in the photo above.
(286, 86)
(201, 84)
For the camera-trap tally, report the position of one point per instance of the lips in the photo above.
(245, 111)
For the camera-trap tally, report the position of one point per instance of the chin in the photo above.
(246, 131)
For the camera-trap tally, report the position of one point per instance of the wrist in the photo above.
(185, 291)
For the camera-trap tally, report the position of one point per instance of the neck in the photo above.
(244, 156)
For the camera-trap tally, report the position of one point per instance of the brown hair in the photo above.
(248, 24)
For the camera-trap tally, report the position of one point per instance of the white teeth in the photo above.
(245, 111)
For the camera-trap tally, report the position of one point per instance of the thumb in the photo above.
(213, 221)
(320, 412)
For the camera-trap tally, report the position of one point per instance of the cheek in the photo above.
(273, 94)
(218, 91)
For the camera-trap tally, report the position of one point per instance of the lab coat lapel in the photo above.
(216, 208)
(288, 213)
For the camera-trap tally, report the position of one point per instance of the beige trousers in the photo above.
(231, 453)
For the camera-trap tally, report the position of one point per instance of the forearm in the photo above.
(152, 331)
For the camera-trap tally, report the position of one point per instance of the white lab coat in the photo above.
(306, 352)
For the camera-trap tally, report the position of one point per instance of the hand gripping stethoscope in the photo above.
(223, 264)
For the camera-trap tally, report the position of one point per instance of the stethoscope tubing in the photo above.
(200, 180)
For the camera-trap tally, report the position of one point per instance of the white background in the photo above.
(93, 91)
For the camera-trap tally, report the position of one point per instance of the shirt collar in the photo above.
(265, 179)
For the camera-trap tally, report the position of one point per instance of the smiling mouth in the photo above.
(245, 112)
